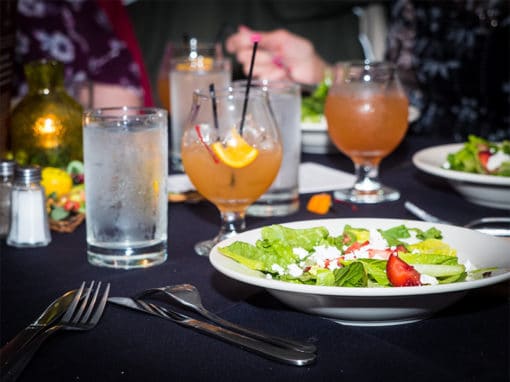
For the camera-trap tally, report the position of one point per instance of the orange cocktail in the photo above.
(366, 127)
(230, 189)
(231, 151)
(367, 114)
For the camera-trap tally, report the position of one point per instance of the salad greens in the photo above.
(312, 107)
(358, 257)
(481, 156)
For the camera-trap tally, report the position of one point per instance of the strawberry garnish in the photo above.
(483, 157)
(400, 273)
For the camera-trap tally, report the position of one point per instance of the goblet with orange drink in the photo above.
(231, 156)
(366, 110)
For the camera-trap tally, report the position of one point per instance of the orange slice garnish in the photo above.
(236, 152)
(198, 63)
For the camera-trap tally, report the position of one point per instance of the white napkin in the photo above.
(313, 177)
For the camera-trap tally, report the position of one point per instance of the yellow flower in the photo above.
(55, 180)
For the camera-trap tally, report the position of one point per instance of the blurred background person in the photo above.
(95, 41)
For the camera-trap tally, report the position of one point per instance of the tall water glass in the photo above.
(126, 167)
(282, 198)
(188, 74)
(182, 49)
(367, 110)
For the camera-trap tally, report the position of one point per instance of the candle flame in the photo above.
(47, 128)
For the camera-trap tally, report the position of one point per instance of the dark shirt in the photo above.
(453, 58)
(81, 36)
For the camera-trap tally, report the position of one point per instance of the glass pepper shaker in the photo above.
(29, 225)
(6, 180)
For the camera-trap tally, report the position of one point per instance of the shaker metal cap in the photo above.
(7, 167)
(27, 174)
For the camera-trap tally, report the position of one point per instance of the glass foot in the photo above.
(203, 248)
(383, 194)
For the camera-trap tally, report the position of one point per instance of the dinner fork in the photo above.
(78, 316)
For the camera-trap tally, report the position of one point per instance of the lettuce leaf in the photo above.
(432, 247)
(306, 238)
(256, 258)
(352, 275)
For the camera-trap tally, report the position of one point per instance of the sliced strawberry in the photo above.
(400, 273)
(483, 157)
(401, 248)
(355, 246)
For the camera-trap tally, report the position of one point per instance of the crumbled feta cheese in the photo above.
(294, 270)
(376, 240)
(300, 252)
(269, 276)
(469, 265)
(412, 239)
(428, 280)
(496, 160)
(322, 253)
(278, 269)
(352, 255)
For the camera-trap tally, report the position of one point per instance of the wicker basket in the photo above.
(68, 225)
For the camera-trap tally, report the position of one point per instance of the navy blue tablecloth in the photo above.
(468, 341)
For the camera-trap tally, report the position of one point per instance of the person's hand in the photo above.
(280, 55)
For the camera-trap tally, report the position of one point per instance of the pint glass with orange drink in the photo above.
(367, 114)
(230, 159)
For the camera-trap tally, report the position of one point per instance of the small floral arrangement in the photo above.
(65, 195)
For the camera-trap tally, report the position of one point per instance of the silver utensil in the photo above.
(189, 296)
(495, 226)
(284, 355)
(11, 349)
(77, 317)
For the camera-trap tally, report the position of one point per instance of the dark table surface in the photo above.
(468, 341)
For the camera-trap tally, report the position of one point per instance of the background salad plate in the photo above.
(486, 190)
(376, 306)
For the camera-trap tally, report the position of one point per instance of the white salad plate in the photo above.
(380, 305)
(486, 190)
(315, 138)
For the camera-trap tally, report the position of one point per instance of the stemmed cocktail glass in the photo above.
(231, 151)
(366, 110)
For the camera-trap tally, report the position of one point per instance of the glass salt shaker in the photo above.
(29, 225)
(6, 180)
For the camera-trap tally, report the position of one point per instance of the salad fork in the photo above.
(78, 316)
(189, 296)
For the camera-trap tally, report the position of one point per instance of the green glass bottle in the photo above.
(46, 125)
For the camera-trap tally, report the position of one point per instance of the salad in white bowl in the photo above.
(358, 257)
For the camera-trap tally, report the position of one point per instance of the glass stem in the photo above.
(366, 177)
(232, 223)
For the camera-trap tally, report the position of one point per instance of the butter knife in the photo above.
(288, 356)
(10, 351)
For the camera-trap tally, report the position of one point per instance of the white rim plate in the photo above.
(431, 159)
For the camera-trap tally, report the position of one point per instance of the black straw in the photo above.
(213, 99)
(255, 39)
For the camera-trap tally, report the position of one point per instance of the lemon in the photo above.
(55, 180)
(236, 153)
